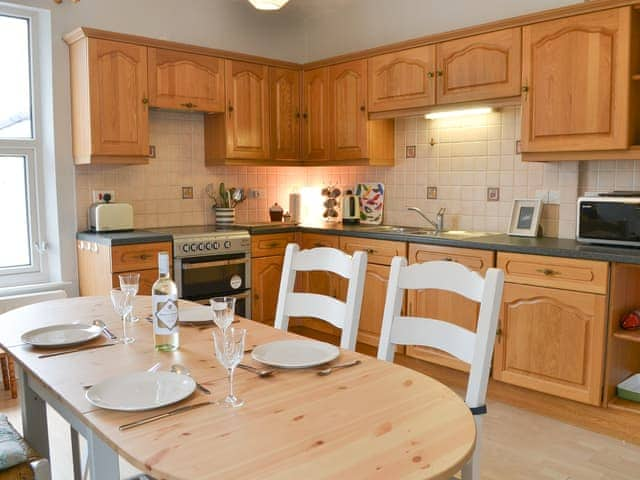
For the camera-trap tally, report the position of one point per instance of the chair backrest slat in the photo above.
(443, 275)
(317, 306)
(344, 315)
(428, 332)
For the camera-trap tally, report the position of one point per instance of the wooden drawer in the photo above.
(142, 256)
(271, 244)
(565, 273)
(476, 260)
(147, 279)
(380, 252)
(315, 240)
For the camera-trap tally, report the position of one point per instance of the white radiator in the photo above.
(15, 301)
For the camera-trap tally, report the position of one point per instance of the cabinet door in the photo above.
(185, 81)
(576, 73)
(404, 79)
(552, 341)
(265, 279)
(480, 67)
(348, 109)
(375, 291)
(315, 128)
(247, 87)
(285, 113)
(119, 99)
(446, 306)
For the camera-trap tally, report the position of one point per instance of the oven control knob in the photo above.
(185, 248)
(193, 247)
(216, 245)
(201, 246)
(208, 246)
(227, 244)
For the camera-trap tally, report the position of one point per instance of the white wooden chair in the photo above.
(473, 348)
(343, 315)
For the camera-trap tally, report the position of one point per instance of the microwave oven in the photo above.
(609, 220)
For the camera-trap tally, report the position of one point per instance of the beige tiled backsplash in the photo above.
(462, 157)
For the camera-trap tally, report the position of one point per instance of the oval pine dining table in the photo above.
(376, 420)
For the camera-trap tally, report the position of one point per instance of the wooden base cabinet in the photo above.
(100, 265)
(552, 341)
(446, 306)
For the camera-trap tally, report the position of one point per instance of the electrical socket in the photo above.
(257, 193)
(98, 195)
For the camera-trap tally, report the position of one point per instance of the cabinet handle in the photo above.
(371, 251)
(298, 115)
(272, 245)
(145, 101)
(305, 115)
(447, 259)
(230, 108)
(440, 73)
(318, 244)
(256, 296)
(144, 256)
(498, 332)
(525, 91)
(430, 74)
(547, 271)
(188, 105)
(363, 108)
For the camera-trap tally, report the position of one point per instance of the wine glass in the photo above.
(229, 347)
(223, 311)
(121, 300)
(131, 283)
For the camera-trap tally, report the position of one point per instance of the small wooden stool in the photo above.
(8, 373)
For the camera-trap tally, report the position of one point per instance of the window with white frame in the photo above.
(21, 245)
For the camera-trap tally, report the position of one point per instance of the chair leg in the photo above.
(471, 471)
(41, 469)
(5, 370)
(12, 377)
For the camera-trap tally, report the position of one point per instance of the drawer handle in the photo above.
(318, 244)
(144, 256)
(371, 251)
(447, 259)
(547, 271)
(498, 332)
(272, 245)
(188, 105)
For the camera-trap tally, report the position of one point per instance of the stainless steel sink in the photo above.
(455, 234)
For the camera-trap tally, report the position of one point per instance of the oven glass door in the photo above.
(612, 221)
(206, 277)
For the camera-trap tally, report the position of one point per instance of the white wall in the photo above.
(351, 25)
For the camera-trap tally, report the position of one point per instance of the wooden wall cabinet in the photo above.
(481, 67)
(242, 132)
(267, 255)
(336, 127)
(109, 101)
(575, 80)
(551, 339)
(404, 79)
(315, 127)
(99, 265)
(185, 81)
(446, 306)
(284, 93)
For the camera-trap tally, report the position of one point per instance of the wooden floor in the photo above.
(517, 444)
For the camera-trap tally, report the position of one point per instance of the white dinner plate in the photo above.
(141, 391)
(62, 335)
(199, 314)
(295, 353)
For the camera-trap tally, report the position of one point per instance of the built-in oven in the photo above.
(226, 275)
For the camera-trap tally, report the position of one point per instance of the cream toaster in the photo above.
(110, 217)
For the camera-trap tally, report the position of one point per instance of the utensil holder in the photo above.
(225, 216)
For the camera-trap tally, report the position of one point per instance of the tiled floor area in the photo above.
(517, 445)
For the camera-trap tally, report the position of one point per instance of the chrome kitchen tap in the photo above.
(438, 224)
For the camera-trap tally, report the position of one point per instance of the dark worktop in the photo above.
(555, 247)
(123, 238)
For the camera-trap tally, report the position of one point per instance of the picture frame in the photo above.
(525, 217)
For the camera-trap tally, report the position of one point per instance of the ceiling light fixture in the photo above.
(458, 113)
(268, 4)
